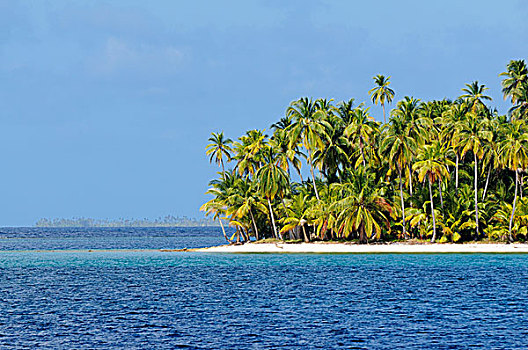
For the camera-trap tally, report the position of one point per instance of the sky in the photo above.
(106, 106)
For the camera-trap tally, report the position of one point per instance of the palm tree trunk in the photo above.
(384, 119)
(245, 235)
(440, 191)
(223, 170)
(487, 181)
(456, 172)
(306, 239)
(223, 230)
(402, 203)
(254, 225)
(513, 209)
(476, 198)
(275, 234)
(313, 176)
(362, 153)
(410, 180)
(362, 235)
(521, 186)
(300, 175)
(432, 211)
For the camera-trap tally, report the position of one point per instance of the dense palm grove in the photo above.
(448, 171)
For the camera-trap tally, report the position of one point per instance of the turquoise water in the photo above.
(152, 299)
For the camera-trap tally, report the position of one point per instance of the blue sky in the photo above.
(106, 106)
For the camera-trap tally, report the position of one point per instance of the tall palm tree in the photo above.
(335, 150)
(398, 147)
(306, 130)
(381, 93)
(471, 136)
(417, 126)
(361, 129)
(520, 109)
(218, 148)
(272, 181)
(451, 121)
(248, 151)
(514, 151)
(516, 77)
(432, 161)
(281, 143)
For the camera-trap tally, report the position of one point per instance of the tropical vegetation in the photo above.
(442, 170)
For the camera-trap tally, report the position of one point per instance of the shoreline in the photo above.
(344, 248)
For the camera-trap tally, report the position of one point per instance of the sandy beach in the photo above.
(328, 248)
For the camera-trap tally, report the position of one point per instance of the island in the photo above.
(445, 171)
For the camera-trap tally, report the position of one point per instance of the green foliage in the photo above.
(452, 170)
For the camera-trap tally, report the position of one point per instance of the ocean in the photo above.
(112, 289)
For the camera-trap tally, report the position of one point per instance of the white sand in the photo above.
(369, 248)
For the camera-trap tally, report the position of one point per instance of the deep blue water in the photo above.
(152, 299)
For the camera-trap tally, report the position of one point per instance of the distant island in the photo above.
(167, 221)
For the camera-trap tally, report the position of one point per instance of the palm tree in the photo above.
(474, 95)
(218, 205)
(335, 150)
(514, 152)
(472, 136)
(307, 130)
(272, 181)
(432, 164)
(417, 126)
(451, 121)
(297, 215)
(397, 146)
(362, 208)
(286, 155)
(520, 109)
(244, 200)
(491, 159)
(361, 129)
(218, 148)
(381, 93)
(516, 77)
(248, 151)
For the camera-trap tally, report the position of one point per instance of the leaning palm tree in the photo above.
(218, 148)
(432, 163)
(218, 205)
(514, 151)
(381, 93)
